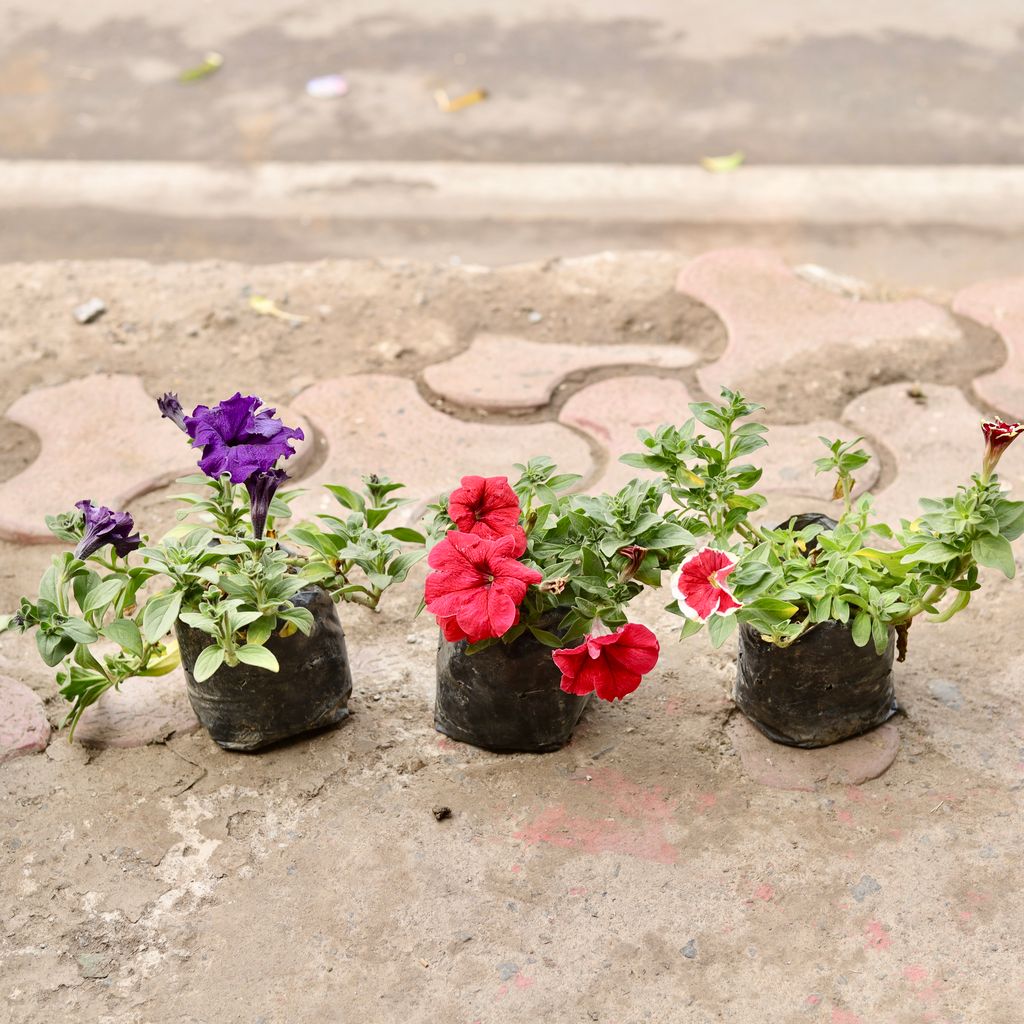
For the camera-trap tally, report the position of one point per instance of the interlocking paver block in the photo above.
(507, 372)
(799, 342)
(611, 411)
(847, 764)
(1000, 305)
(24, 727)
(140, 712)
(379, 424)
(102, 438)
(935, 439)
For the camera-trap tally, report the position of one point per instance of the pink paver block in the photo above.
(142, 711)
(775, 319)
(101, 438)
(780, 767)
(937, 444)
(506, 372)
(24, 728)
(1000, 305)
(379, 424)
(611, 411)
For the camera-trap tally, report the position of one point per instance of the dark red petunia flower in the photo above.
(699, 585)
(477, 586)
(999, 435)
(610, 666)
(487, 507)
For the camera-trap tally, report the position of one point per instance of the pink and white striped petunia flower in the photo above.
(699, 585)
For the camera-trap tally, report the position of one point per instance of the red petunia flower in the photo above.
(477, 587)
(610, 666)
(999, 435)
(699, 585)
(487, 507)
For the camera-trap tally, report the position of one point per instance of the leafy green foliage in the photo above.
(867, 574)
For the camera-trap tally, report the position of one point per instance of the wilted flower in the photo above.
(477, 587)
(261, 487)
(999, 435)
(170, 409)
(611, 665)
(487, 507)
(239, 440)
(634, 555)
(699, 585)
(102, 527)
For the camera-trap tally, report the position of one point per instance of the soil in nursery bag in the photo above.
(506, 698)
(820, 690)
(248, 708)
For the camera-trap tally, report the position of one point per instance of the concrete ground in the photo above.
(795, 84)
(663, 866)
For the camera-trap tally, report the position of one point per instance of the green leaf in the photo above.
(861, 629)
(159, 615)
(207, 663)
(53, 648)
(80, 631)
(406, 535)
(347, 497)
(125, 633)
(102, 594)
(546, 638)
(720, 628)
(690, 628)
(259, 657)
(995, 552)
(934, 552)
(259, 631)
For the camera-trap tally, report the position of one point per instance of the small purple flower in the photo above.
(261, 487)
(103, 526)
(170, 409)
(239, 438)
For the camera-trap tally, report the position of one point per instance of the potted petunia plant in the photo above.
(822, 605)
(253, 613)
(530, 586)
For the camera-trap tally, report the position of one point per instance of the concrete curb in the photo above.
(984, 197)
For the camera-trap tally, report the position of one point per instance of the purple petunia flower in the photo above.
(261, 487)
(170, 409)
(239, 438)
(102, 527)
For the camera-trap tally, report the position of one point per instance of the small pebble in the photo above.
(690, 950)
(376, 696)
(534, 317)
(440, 813)
(89, 311)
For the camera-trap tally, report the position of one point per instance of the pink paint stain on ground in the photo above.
(703, 802)
(855, 794)
(844, 817)
(926, 991)
(578, 890)
(844, 1017)
(523, 981)
(516, 869)
(878, 937)
(632, 822)
(813, 1000)
(764, 892)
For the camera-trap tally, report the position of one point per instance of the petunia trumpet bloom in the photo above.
(239, 437)
(999, 435)
(261, 487)
(487, 507)
(611, 665)
(477, 586)
(104, 526)
(699, 585)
